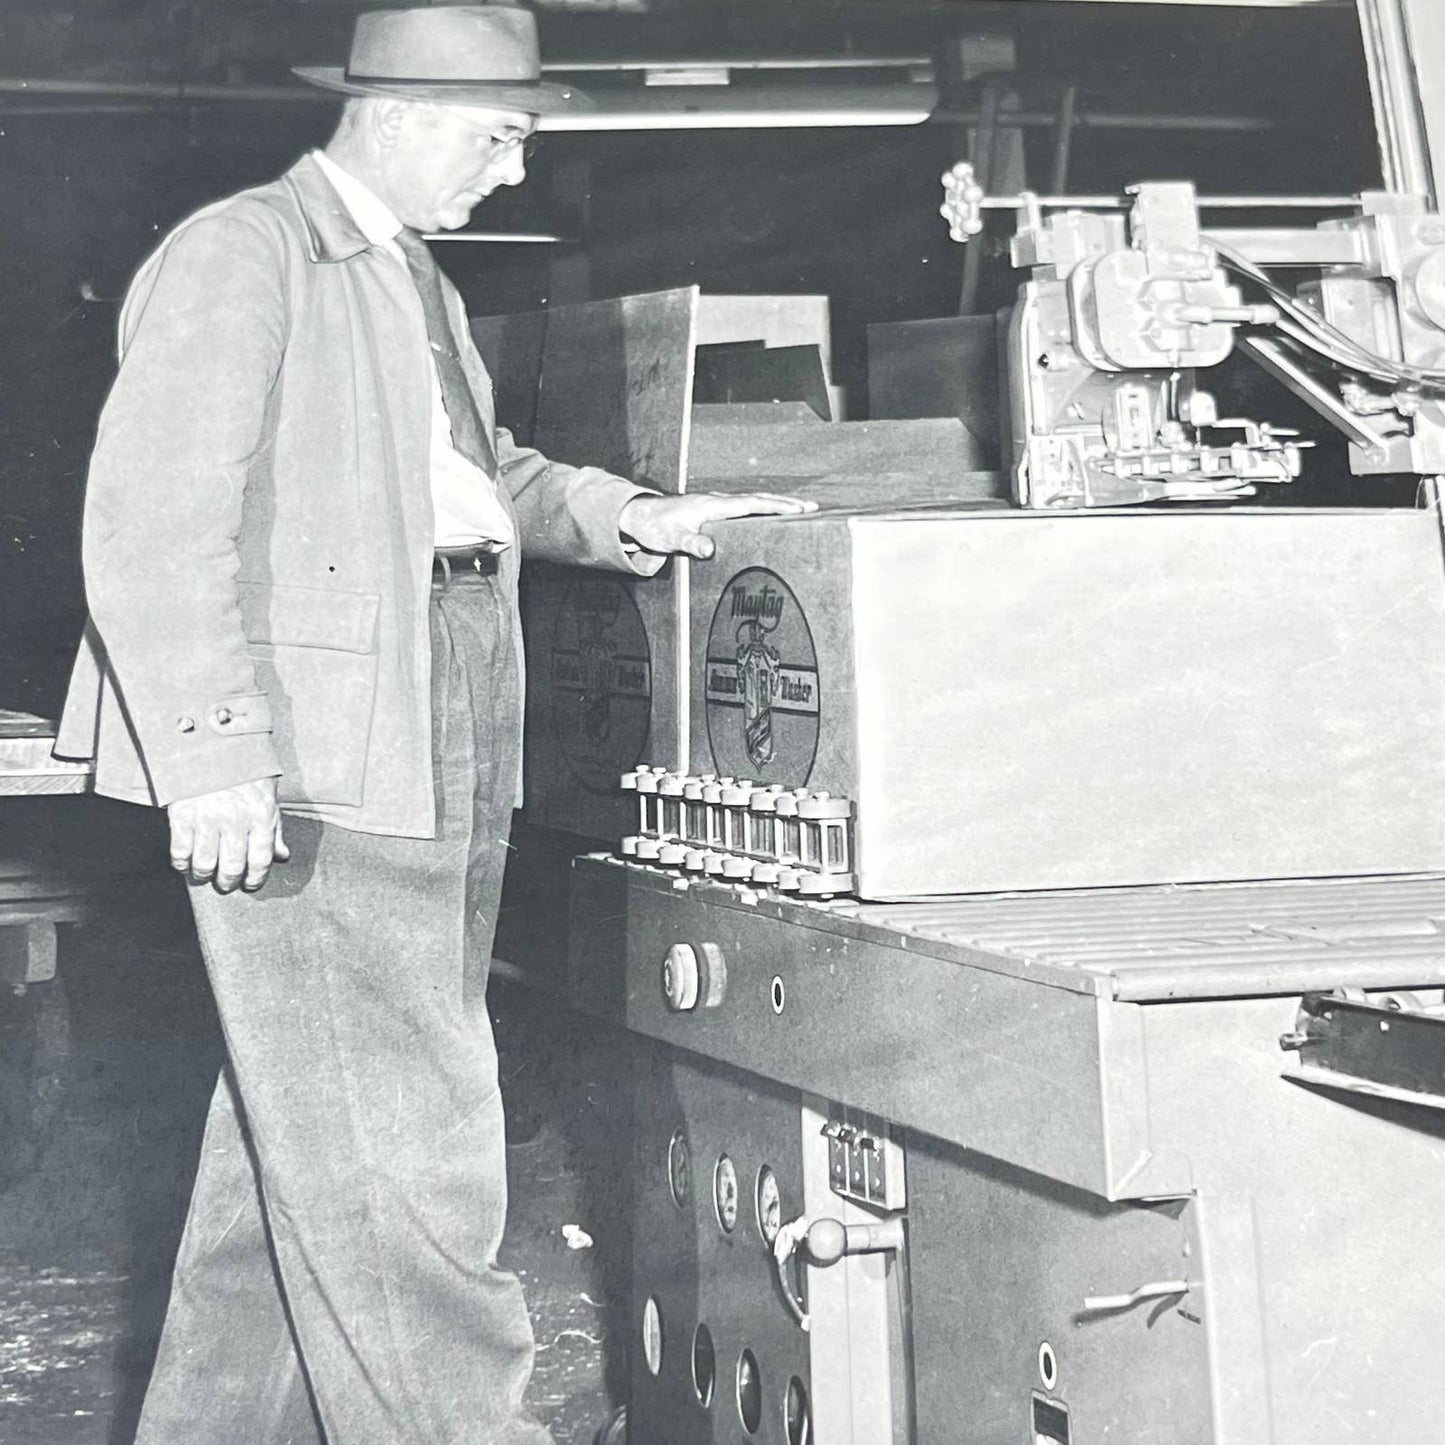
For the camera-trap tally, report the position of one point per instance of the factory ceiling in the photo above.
(71, 54)
(217, 35)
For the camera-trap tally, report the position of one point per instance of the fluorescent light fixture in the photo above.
(757, 62)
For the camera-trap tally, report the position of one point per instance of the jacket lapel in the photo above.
(331, 234)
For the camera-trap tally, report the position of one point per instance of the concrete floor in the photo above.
(87, 1236)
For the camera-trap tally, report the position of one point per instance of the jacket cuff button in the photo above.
(224, 715)
(186, 724)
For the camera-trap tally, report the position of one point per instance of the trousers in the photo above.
(337, 1279)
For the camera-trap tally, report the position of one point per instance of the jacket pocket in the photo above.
(315, 654)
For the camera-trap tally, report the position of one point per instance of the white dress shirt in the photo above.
(464, 499)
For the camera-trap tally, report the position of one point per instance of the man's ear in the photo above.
(388, 119)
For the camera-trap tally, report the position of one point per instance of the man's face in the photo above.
(450, 157)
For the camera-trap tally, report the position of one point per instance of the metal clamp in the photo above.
(1388, 1046)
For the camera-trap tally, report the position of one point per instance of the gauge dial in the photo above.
(725, 1193)
(679, 1169)
(770, 1205)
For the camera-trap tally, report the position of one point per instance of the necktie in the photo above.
(468, 434)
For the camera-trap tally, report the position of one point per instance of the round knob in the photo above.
(827, 1241)
(680, 977)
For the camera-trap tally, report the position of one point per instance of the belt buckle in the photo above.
(481, 561)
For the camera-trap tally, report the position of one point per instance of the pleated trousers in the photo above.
(337, 1279)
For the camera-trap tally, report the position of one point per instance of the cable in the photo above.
(1346, 360)
(1311, 330)
(1314, 330)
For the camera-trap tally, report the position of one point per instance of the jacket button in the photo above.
(186, 724)
(224, 715)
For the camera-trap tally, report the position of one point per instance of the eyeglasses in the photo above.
(502, 146)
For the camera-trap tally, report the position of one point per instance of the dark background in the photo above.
(90, 180)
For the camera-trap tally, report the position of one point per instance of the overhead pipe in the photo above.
(155, 90)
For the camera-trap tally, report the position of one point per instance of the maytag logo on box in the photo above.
(761, 682)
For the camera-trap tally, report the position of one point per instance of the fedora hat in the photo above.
(483, 55)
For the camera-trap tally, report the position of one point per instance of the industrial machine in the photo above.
(619, 383)
(1034, 927)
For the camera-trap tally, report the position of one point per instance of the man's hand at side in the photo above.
(674, 524)
(230, 837)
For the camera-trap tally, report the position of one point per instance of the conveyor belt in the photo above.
(1154, 944)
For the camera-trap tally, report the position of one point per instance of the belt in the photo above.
(463, 563)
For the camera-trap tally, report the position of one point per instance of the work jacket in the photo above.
(258, 536)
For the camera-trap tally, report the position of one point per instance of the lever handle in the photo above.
(1159, 1289)
(825, 1242)
(828, 1240)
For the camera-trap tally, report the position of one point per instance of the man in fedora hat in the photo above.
(301, 541)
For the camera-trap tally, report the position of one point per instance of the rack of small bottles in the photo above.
(759, 833)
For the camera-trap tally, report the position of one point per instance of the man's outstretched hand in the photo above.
(230, 837)
(674, 524)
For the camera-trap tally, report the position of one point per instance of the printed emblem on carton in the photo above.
(761, 682)
(601, 682)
